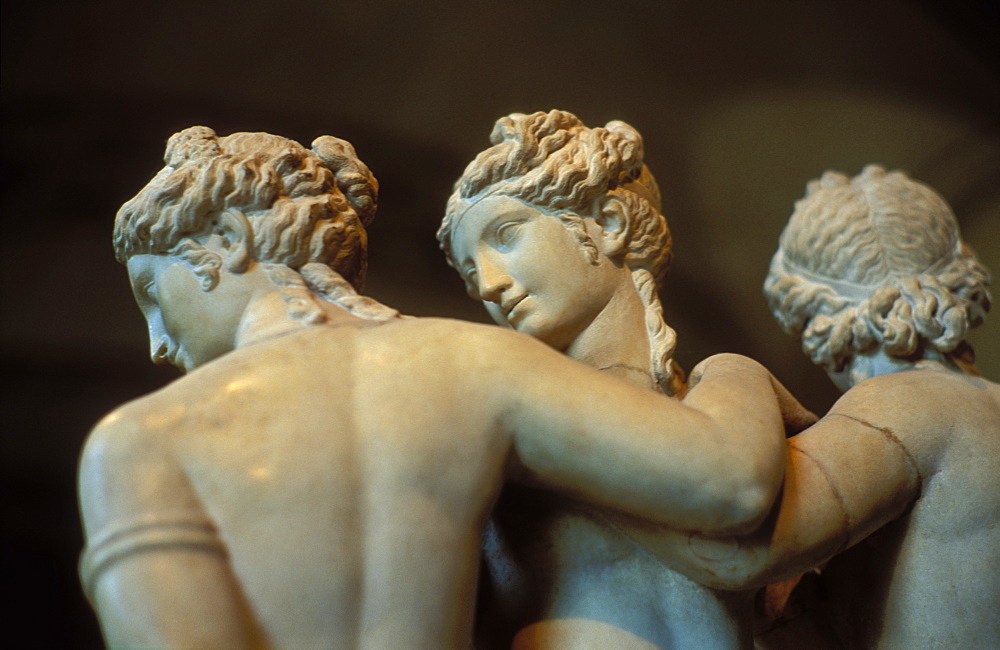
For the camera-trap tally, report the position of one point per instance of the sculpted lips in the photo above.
(508, 307)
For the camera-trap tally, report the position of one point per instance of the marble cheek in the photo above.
(186, 326)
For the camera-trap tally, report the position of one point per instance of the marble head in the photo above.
(875, 263)
(222, 205)
(594, 183)
(556, 164)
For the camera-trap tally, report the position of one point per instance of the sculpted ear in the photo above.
(613, 217)
(236, 238)
(229, 243)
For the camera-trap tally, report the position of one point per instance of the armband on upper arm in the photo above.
(151, 532)
(839, 511)
(873, 475)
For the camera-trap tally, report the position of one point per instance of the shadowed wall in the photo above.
(740, 104)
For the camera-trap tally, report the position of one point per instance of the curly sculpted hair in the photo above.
(875, 260)
(307, 210)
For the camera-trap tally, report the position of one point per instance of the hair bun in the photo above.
(624, 129)
(354, 178)
(191, 144)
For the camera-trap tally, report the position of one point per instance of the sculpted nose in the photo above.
(492, 282)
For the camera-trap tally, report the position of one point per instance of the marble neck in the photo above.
(616, 341)
(872, 364)
(267, 316)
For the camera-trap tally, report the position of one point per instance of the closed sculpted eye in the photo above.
(506, 233)
(145, 288)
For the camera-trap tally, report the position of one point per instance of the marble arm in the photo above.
(154, 567)
(844, 479)
(712, 463)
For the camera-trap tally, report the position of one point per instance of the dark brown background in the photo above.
(740, 104)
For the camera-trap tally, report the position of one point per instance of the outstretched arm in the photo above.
(846, 477)
(711, 463)
(154, 567)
